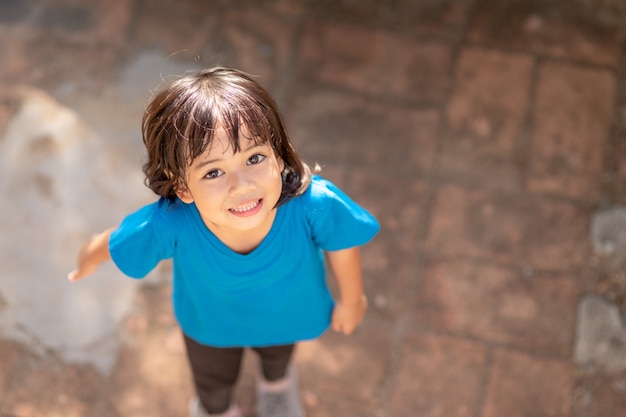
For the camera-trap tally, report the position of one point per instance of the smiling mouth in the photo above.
(246, 208)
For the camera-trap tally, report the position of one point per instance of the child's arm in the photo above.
(350, 310)
(91, 255)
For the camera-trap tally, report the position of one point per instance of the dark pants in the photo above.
(215, 370)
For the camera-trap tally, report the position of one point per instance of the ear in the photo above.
(281, 163)
(184, 194)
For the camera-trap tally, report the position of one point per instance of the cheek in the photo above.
(212, 194)
(211, 207)
(269, 172)
(272, 178)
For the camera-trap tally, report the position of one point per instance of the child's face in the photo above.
(235, 192)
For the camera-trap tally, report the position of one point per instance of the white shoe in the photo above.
(280, 398)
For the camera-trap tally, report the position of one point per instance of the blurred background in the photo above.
(487, 136)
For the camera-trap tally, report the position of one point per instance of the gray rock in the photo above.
(59, 186)
(601, 335)
(608, 236)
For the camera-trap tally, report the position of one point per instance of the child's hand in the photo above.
(91, 255)
(82, 271)
(346, 317)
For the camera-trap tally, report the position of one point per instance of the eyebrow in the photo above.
(211, 161)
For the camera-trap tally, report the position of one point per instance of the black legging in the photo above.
(215, 370)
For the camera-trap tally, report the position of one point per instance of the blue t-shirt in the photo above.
(276, 294)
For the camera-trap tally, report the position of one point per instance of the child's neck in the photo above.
(243, 241)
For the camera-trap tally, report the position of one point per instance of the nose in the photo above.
(241, 183)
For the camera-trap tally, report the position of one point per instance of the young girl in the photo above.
(245, 223)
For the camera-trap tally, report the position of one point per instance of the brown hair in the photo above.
(181, 120)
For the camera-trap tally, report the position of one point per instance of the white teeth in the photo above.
(245, 208)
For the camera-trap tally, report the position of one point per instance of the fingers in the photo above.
(341, 327)
(346, 319)
(73, 276)
(338, 327)
(76, 275)
(345, 330)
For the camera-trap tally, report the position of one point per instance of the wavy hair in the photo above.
(181, 120)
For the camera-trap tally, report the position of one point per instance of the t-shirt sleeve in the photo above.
(135, 246)
(336, 221)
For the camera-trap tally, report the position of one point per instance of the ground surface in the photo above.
(484, 135)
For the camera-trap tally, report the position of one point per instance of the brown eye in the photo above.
(257, 158)
(213, 174)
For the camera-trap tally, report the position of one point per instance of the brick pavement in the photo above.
(482, 134)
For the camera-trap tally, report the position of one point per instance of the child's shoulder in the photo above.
(162, 206)
(337, 221)
(160, 211)
(322, 194)
(321, 187)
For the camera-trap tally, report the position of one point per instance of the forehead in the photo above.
(224, 142)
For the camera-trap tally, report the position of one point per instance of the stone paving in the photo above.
(483, 135)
